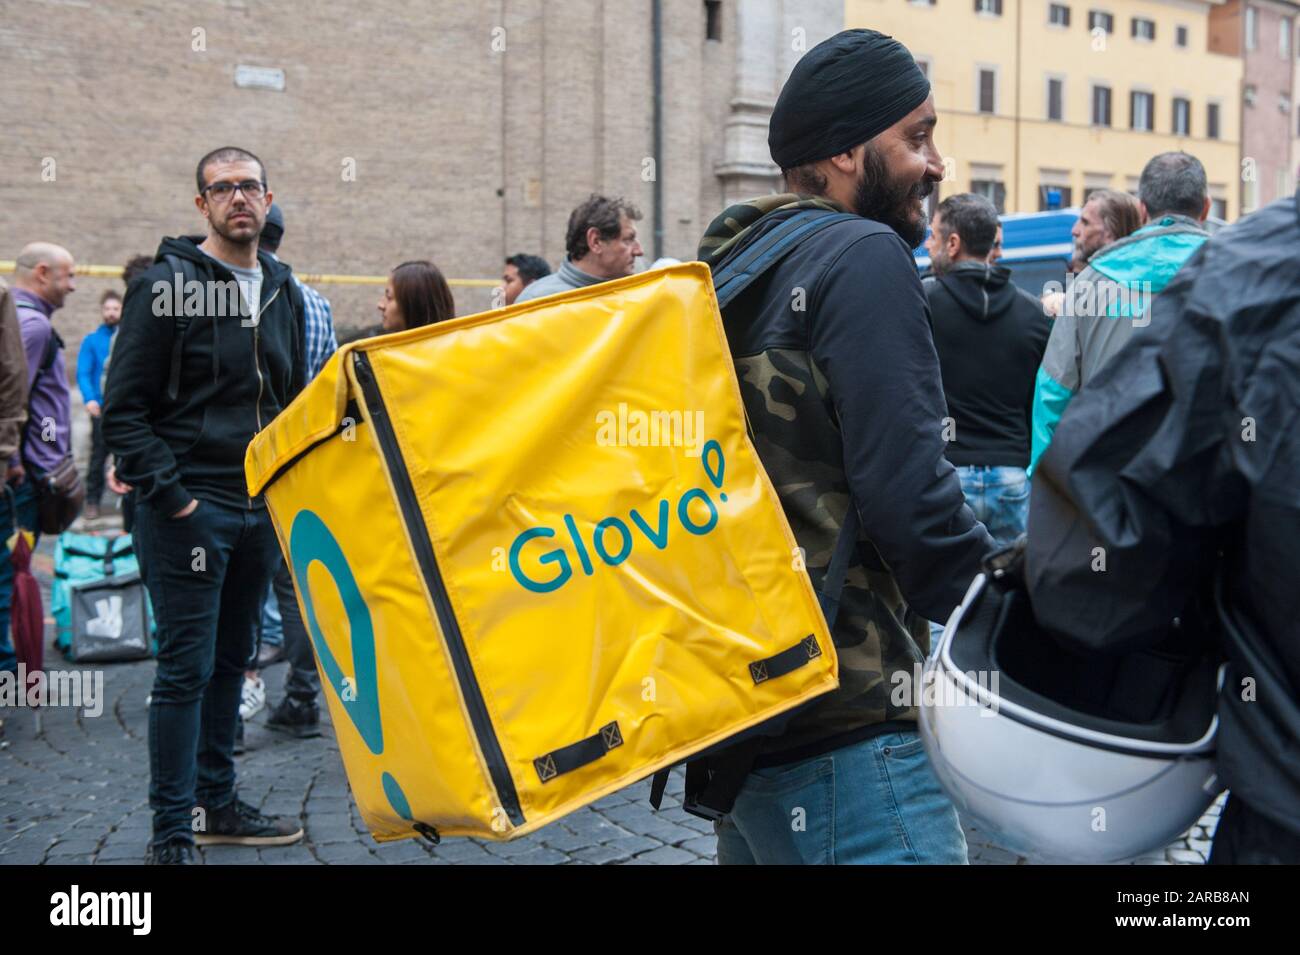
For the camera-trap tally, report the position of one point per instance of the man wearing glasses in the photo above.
(196, 372)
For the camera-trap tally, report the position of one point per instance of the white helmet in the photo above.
(1061, 756)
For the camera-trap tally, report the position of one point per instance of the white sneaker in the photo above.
(253, 697)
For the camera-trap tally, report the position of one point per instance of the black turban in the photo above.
(843, 91)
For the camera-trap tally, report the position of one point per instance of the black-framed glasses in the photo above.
(223, 191)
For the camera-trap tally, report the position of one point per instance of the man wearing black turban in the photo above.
(841, 384)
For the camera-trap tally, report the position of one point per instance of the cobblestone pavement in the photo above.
(73, 789)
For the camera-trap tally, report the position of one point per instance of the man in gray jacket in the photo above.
(1112, 296)
(600, 245)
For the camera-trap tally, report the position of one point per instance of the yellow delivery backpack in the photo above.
(537, 555)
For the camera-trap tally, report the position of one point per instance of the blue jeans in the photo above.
(999, 497)
(17, 508)
(874, 802)
(206, 574)
(272, 629)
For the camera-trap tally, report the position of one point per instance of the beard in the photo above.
(939, 262)
(1083, 251)
(240, 233)
(889, 201)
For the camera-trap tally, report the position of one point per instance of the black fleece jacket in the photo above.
(990, 336)
(236, 375)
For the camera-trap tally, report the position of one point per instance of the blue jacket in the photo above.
(90, 362)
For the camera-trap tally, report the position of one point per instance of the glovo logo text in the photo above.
(613, 539)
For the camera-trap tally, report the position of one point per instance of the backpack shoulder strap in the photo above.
(731, 277)
(180, 323)
(713, 783)
(736, 273)
(838, 569)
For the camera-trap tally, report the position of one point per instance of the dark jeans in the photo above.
(17, 508)
(302, 682)
(98, 458)
(1244, 837)
(205, 573)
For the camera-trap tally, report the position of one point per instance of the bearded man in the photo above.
(841, 383)
(211, 349)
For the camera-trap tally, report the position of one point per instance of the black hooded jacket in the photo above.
(990, 336)
(1180, 459)
(236, 375)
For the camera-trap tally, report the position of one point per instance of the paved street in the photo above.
(73, 789)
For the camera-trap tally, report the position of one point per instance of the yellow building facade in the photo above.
(1041, 102)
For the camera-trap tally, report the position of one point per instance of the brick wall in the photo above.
(1266, 128)
(463, 153)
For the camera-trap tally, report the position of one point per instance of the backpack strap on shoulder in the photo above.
(736, 273)
(714, 782)
(183, 271)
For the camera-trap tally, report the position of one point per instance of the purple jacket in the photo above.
(50, 399)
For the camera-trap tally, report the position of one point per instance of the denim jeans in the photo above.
(271, 631)
(874, 802)
(98, 458)
(999, 497)
(206, 573)
(17, 508)
(303, 681)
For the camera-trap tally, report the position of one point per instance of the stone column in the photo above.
(771, 36)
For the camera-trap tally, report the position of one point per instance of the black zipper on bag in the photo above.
(351, 414)
(428, 561)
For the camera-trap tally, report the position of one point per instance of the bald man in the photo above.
(43, 279)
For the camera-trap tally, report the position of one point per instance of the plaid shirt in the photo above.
(319, 319)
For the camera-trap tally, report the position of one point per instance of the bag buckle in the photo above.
(704, 811)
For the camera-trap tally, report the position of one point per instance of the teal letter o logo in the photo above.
(310, 540)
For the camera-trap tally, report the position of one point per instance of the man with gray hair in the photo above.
(1111, 298)
(600, 245)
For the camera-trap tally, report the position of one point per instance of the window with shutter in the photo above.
(1143, 29)
(994, 190)
(1101, 20)
(1141, 110)
(988, 91)
(1055, 99)
(1101, 105)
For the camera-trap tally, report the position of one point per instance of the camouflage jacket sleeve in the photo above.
(870, 336)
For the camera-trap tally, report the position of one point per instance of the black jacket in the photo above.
(841, 387)
(990, 337)
(235, 377)
(1181, 458)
